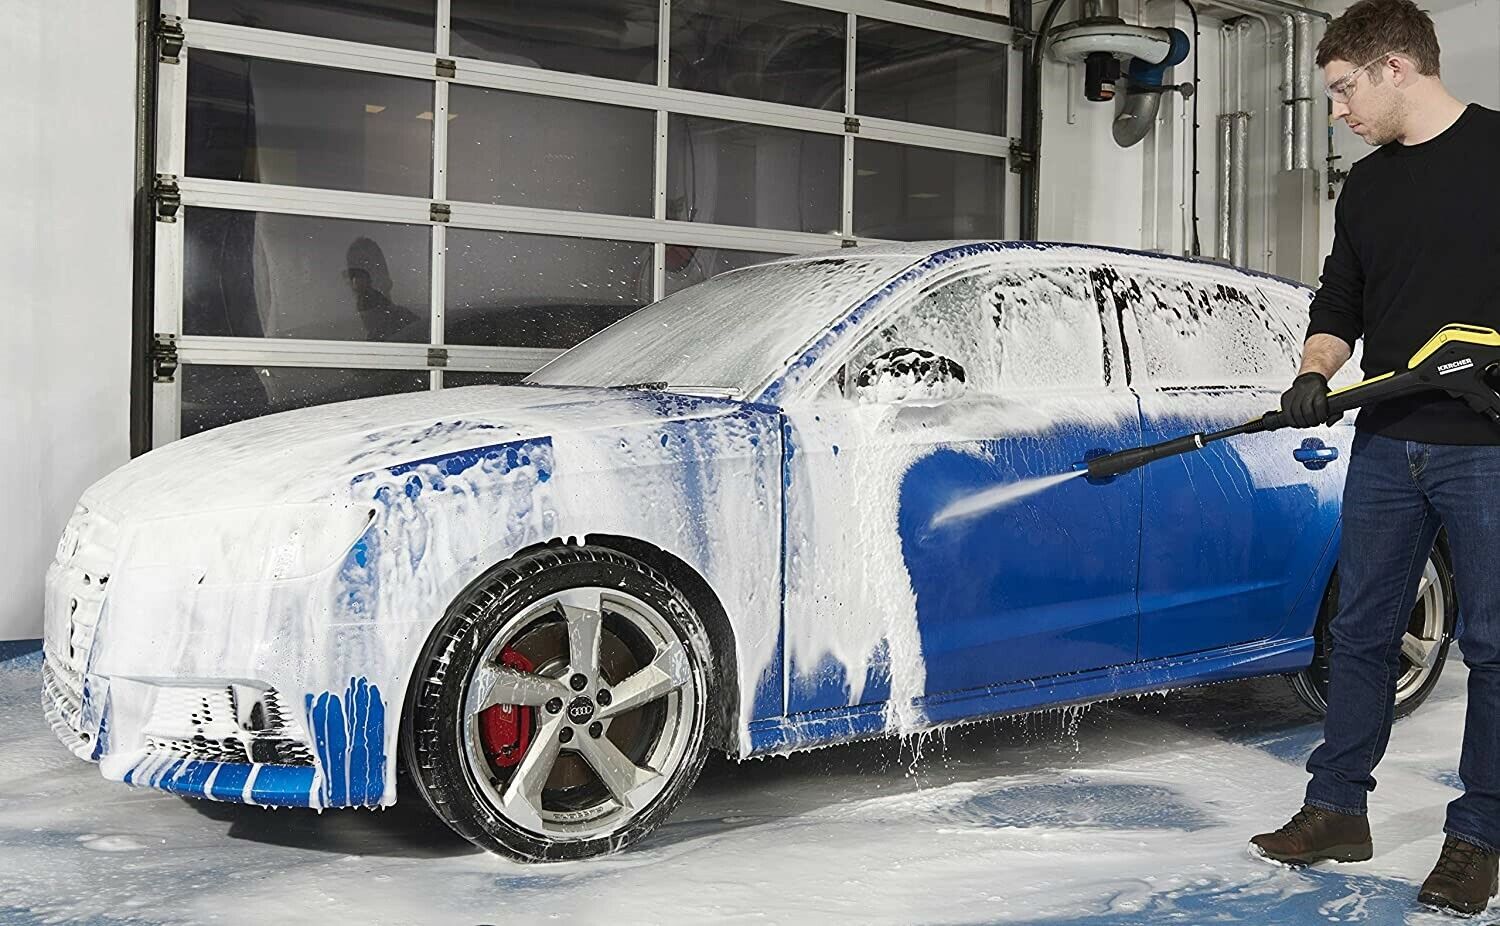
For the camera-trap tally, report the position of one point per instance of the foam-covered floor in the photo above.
(1135, 812)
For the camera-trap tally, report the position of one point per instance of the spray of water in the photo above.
(978, 503)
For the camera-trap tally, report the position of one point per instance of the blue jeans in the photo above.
(1398, 495)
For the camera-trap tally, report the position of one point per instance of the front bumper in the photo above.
(233, 739)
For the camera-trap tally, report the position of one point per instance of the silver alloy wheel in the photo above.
(1422, 645)
(576, 706)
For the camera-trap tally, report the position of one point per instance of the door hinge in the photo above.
(168, 197)
(437, 356)
(170, 39)
(1020, 157)
(440, 212)
(164, 357)
(851, 125)
(447, 67)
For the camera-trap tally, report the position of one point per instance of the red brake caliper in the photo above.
(505, 729)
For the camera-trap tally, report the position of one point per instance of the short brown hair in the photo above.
(1371, 28)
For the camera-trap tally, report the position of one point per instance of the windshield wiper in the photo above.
(652, 387)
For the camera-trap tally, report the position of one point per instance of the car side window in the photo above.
(949, 322)
(1201, 333)
(1047, 329)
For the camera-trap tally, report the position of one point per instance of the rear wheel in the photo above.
(1424, 647)
(560, 709)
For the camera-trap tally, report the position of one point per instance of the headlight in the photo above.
(250, 544)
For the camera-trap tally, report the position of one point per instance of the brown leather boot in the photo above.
(1464, 880)
(1316, 835)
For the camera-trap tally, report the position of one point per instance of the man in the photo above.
(1416, 246)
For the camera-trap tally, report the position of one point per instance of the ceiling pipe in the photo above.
(1099, 9)
(1302, 110)
(1275, 6)
(1288, 87)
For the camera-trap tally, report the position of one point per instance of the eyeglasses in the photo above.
(1342, 90)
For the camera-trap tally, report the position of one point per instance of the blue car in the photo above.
(831, 497)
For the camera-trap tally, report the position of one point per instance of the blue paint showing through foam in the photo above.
(510, 455)
(273, 785)
(349, 737)
(348, 732)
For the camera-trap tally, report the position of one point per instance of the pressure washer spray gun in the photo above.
(1462, 360)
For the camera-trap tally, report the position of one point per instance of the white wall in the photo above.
(67, 88)
(1470, 36)
(1469, 33)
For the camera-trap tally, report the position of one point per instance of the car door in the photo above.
(905, 577)
(1231, 535)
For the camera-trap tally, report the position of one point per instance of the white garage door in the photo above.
(358, 197)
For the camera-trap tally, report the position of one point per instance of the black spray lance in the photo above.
(1462, 360)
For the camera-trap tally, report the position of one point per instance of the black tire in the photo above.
(443, 767)
(1311, 684)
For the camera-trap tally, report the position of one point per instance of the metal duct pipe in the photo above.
(1226, 183)
(1271, 103)
(1239, 189)
(1136, 118)
(1288, 87)
(1302, 112)
(1099, 9)
(1277, 6)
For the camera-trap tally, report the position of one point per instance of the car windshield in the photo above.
(730, 334)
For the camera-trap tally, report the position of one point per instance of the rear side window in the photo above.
(1203, 333)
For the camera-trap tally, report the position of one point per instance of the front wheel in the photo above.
(1424, 647)
(560, 709)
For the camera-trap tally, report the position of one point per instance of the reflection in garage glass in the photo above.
(218, 395)
(399, 23)
(268, 121)
(687, 264)
(761, 50)
(266, 275)
(514, 149)
(913, 194)
(516, 290)
(933, 78)
(603, 38)
(730, 173)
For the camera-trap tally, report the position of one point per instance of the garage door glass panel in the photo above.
(218, 395)
(687, 265)
(911, 194)
(398, 23)
(455, 379)
(605, 38)
(264, 275)
(760, 50)
(1210, 334)
(264, 121)
(730, 173)
(932, 78)
(514, 149)
(516, 290)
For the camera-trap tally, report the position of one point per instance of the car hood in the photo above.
(304, 455)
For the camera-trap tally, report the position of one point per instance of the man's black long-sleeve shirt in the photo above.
(1416, 246)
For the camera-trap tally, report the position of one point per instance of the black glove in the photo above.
(1305, 405)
